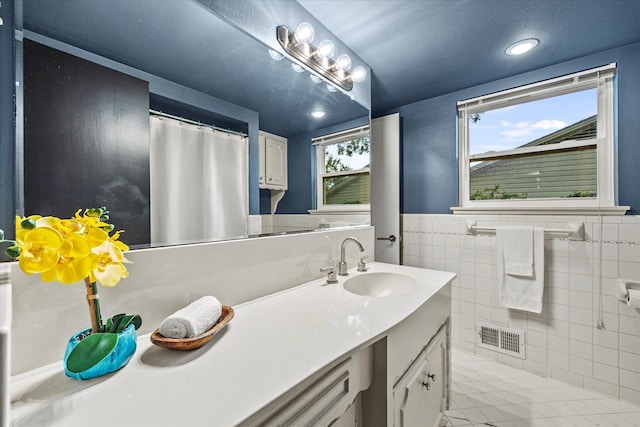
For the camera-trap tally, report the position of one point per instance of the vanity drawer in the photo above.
(323, 398)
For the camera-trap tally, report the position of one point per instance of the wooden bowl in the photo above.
(193, 343)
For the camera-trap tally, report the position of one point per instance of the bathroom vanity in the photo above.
(314, 354)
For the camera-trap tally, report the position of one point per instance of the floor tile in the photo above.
(488, 394)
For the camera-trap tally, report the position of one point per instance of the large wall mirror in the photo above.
(198, 65)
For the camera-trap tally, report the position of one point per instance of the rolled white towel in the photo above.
(192, 320)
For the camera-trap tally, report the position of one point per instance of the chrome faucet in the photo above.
(342, 265)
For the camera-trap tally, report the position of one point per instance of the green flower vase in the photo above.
(98, 354)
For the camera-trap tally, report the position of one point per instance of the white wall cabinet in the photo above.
(420, 395)
(273, 162)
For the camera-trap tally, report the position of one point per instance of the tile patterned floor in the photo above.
(486, 393)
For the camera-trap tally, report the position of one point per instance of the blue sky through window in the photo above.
(511, 127)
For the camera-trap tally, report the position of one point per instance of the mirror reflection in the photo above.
(195, 66)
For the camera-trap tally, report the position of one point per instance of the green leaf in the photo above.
(120, 322)
(13, 251)
(90, 351)
(28, 224)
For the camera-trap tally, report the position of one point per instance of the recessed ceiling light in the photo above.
(523, 46)
(318, 114)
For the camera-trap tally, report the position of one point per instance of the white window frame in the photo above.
(320, 143)
(600, 78)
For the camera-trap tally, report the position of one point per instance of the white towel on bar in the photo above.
(517, 291)
(517, 245)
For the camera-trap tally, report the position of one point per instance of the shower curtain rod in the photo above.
(182, 119)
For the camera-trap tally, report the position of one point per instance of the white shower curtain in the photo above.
(199, 188)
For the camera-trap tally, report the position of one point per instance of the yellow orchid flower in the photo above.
(110, 268)
(40, 250)
(76, 261)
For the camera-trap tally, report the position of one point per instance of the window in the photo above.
(544, 145)
(343, 178)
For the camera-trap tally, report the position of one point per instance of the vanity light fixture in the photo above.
(523, 46)
(318, 114)
(319, 59)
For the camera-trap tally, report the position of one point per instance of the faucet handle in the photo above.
(362, 265)
(331, 274)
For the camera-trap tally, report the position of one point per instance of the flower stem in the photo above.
(94, 305)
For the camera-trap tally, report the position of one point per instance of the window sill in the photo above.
(340, 210)
(560, 210)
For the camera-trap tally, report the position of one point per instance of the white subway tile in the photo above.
(558, 359)
(605, 338)
(605, 373)
(630, 379)
(558, 344)
(605, 388)
(610, 269)
(468, 295)
(630, 361)
(426, 224)
(581, 299)
(629, 253)
(580, 349)
(581, 366)
(610, 232)
(558, 263)
(605, 355)
(557, 279)
(483, 298)
(538, 339)
(483, 284)
(580, 250)
(630, 325)
(629, 269)
(559, 328)
(630, 343)
(580, 266)
(483, 312)
(581, 282)
(629, 232)
(610, 251)
(580, 333)
(581, 316)
(632, 396)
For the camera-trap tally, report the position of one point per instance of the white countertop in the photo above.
(271, 345)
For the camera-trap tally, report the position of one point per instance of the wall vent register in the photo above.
(503, 340)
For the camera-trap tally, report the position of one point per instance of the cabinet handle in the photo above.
(427, 385)
(432, 376)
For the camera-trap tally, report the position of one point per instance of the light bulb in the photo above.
(326, 49)
(343, 62)
(315, 78)
(318, 114)
(275, 55)
(523, 46)
(297, 68)
(304, 33)
(358, 74)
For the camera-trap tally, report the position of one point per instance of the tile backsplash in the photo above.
(563, 341)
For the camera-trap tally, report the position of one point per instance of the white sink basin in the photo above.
(380, 284)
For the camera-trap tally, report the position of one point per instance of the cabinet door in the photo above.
(261, 160)
(275, 163)
(421, 391)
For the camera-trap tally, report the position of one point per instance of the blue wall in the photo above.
(429, 180)
(301, 193)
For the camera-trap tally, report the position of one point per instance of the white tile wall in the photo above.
(580, 281)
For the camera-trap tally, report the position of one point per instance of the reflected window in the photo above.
(343, 177)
